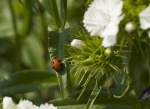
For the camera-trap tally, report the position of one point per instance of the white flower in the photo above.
(47, 106)
(102, 18)
(8, 103)
(145, 18)
(77, 43)
(25, 104)
(130, 27)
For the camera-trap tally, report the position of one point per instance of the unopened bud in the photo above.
(77, 43)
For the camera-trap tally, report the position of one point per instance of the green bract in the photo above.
(95, 63)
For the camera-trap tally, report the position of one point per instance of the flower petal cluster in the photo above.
(102, 18)
(8, 103)
(47, 106)
(144, 17)
(24, 104)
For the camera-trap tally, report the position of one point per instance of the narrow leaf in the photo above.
(93, 96)
(55, 13)
(127, 90)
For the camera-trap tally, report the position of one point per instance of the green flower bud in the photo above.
(108, 52)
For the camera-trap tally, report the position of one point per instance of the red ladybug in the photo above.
(56, 64)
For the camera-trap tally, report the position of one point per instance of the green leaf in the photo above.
(25, 81)
(56, 49)
(74, 69)
(96, 90)
(128, 89)
(32, 53)
(82, 76)
(75, 12)
(27, 19)
(87, 82)
(108, 106)
(64, 12)
(13, 19)
(102, 80)
(20, 88)
(6, 48)
(55, 12)
(93, 96)
(87, 2)
(53, 44)
(139, 68)
(72, 82)
(20, 2)
(47, 6)
(101, 102)
(78, 71)
(58, 12)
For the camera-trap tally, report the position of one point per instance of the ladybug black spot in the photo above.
(56, 64)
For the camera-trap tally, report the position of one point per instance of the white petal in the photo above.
(25, 104)
(96, 18)
(111, 30)
(109, 41)
(117, 9)
(47, 106)
(144, 17)
(103, 17)
(8, 103)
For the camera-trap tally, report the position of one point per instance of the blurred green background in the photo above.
(24, 60)
(29, 30)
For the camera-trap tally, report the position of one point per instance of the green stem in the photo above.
(14, 21)
(61, 86)
(17, 37)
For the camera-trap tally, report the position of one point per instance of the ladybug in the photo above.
(56, 64)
